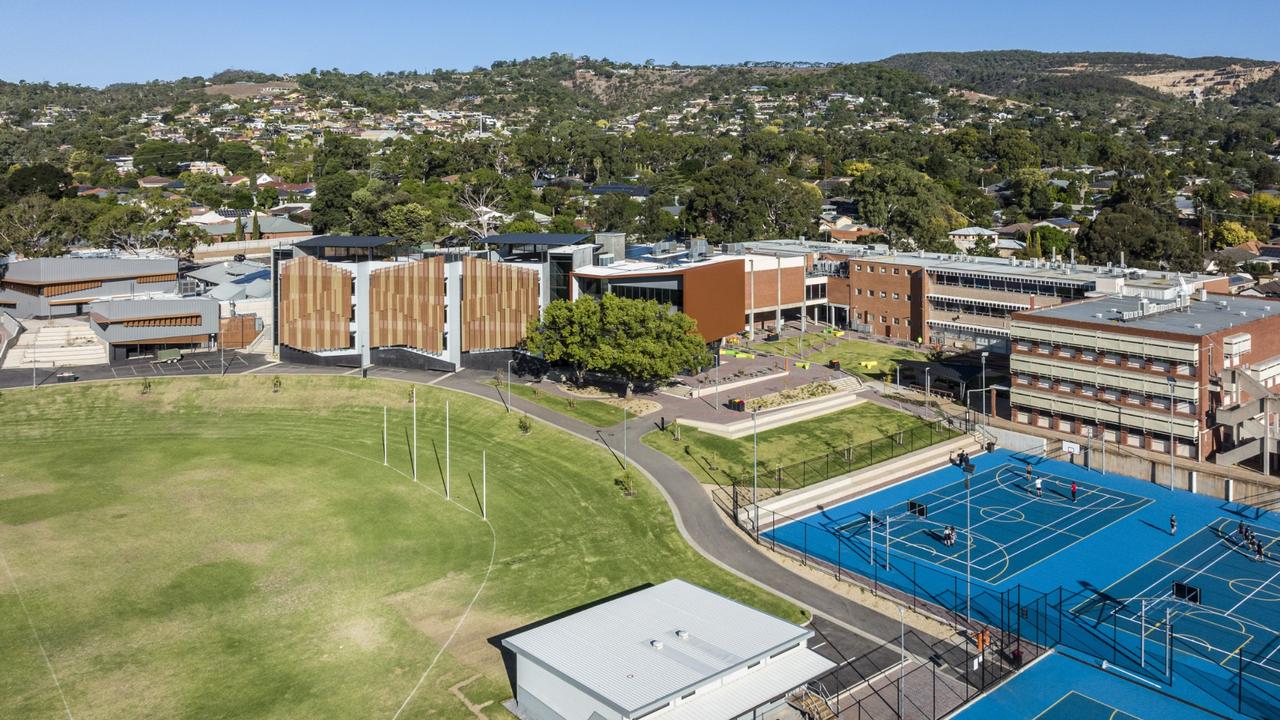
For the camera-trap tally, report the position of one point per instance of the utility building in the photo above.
(670, 652)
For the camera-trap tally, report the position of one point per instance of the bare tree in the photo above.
(478, 200)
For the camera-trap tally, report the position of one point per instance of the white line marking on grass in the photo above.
(493, 553)
(30, 623)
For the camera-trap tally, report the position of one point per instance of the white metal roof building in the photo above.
(674, 651)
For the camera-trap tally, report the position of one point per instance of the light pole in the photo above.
(1172, 444)
(755, 477)
(968, 543)
(717, 370)
(926, 387)
(626, 461)
(509, 383)
(984, 384)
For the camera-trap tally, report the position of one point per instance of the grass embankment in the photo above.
(712, 458)
(212, 549)
(592, 412)
(849, 351)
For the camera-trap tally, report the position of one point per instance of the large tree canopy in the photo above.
(738, 200)
(640, 340)
(1146, 237)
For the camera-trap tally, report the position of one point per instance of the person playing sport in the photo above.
(1173, 524)
(1073, 491)
(1039, 486)
(1028, 477)
(1261, 555)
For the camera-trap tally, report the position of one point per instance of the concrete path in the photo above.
(701, 525)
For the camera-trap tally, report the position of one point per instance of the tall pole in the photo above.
(968, 548)
(509, 384)
(626, 459)
(902, 652)
(777, 325)
(717, 369)
(1172, 442)
(446, 450)
(926, 388)
(1142, 641)
(415, 433)
(984, 386)
(484, 484)
(755, 476)
(384, 435)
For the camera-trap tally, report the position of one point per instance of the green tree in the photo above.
(410, 222)
(1230, 234)
(239, 230)
(1146, 237)
(256, 233)
(161, 157)
(905, 204)
(614, 212)
(645, 342)
(331, 210)
(639, 340)
(239, 157)
(569, 333)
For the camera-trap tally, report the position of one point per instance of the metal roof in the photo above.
(346, 241)
(739, 696)
(1219, 312)
(72, 269)
(549, 239)
(654, 644)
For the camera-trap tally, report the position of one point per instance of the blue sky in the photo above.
(133, 40)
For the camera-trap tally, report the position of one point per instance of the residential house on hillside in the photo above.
(967, 238)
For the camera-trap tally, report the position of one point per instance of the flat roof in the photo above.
(549, 239)
(653, 644)
(346, 241)
(1061, 272)
(1217, 313)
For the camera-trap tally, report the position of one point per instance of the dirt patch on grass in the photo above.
(434, 609)
(361, 633)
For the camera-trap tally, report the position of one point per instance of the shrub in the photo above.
(524, 425)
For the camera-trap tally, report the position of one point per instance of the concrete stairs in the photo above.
(1245, 418)
(811, 706)
(60, 344)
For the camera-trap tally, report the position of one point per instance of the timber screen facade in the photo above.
(315, 305)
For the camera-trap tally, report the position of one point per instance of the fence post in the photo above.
(1059, 615)
(806, 544)
(838, 544)
(915, 586)
(1240, 679)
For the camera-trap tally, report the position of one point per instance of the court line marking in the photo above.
(1140, 568)
(1125, 501)
(1245, 599)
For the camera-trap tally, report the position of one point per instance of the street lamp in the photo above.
(509, 383)
(1172, 381)
(755, 476)
(984, 384)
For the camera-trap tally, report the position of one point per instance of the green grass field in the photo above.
(591, 412)
(849, 351)
(211, 549)
(712, 458)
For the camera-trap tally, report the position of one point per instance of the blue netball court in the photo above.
(1194, 611)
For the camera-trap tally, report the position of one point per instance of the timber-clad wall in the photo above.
(406, 305)
(498, 301)
(315, 305)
